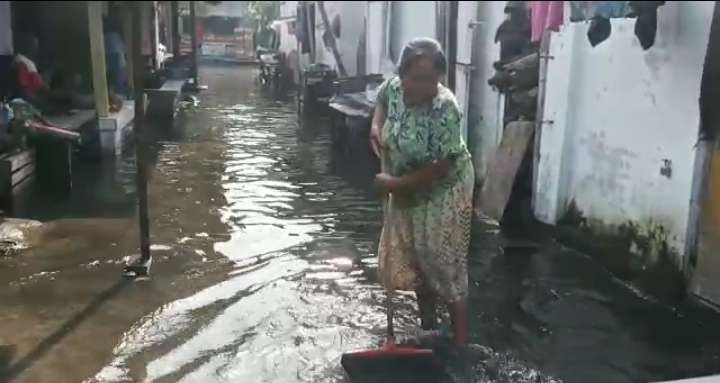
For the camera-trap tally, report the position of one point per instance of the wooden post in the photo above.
(127, 21)
(175, 16)
(140, 144)
(97, 54)
(193, 34)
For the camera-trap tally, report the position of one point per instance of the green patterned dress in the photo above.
(429, 230)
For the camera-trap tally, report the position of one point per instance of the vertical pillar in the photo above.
(154, 34)
(139, 130)
(194, 52)
(127, 20)
(97, 55)
(175, 16)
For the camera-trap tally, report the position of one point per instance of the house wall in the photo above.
(620, 146)
(386, 37)
(352, 28)
(288, 16)
(410, 19)
(375, 35)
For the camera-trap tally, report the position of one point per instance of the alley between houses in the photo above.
(264, 241)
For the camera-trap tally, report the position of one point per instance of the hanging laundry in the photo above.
(646, 24)
(586, 10)
(599, 30)
(514, 33)
(599, 13)
(646, 29)
(545, 15)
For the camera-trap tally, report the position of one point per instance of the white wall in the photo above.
(410, 19)
(288, 41)
(485, 112)
(352, 24)
(467, 15)
(6, 46)
(288, 9)
(618, 112)
(374, 35)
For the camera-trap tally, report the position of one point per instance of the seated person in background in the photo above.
(29, 84)
(115, 56)
(31, 87)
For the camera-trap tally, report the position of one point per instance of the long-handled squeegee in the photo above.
(392, 356)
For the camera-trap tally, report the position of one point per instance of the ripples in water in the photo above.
(250, 187)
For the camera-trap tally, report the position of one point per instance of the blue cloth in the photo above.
(586, 10)
(116, 60)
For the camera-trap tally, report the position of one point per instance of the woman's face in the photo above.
(420, 81)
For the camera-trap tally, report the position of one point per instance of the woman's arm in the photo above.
(378, 121)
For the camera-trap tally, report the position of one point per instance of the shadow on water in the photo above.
(46, 345)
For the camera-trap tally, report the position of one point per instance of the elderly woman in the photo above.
(417, 132)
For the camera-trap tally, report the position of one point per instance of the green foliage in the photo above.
(262, 13)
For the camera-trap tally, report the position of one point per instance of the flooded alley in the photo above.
(264, 245)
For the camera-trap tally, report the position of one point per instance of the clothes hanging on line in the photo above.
(545, 15)
(587, 10)
(514, 33)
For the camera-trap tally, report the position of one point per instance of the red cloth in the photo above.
(30, 82)
(545, 15)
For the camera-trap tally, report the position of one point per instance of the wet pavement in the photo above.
(264, 244)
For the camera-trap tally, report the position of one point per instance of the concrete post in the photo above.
(193, 34)
(140, 146)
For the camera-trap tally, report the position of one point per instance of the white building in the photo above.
(618, 140)
(616, 116)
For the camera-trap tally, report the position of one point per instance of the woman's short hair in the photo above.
(423, 47)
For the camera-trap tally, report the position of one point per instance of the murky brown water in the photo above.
(265, 272)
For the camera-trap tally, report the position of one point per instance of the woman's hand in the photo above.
(424, 177)
(387, 183)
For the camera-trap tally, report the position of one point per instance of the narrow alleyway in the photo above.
(264, 271)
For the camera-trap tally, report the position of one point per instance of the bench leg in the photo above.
(54, 167)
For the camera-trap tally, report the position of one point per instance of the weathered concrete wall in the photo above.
(485, 109)
(620, 147)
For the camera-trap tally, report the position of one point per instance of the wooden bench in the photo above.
(53, 157)
(74, 121)
(351, 111)
(163, 102)
(17, 171)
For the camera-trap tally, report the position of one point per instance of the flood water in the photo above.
(264, 271)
